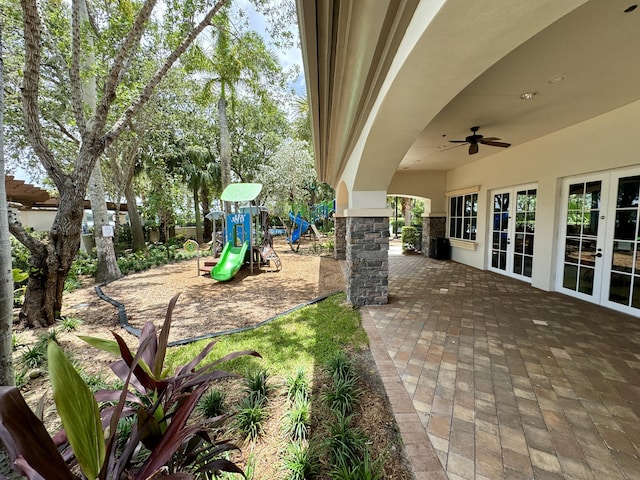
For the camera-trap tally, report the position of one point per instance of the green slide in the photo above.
(230, 262)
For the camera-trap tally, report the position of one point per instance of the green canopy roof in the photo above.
(241, 192)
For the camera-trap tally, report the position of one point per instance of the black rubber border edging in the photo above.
(124, 321)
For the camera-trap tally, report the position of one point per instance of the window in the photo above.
(463, 216)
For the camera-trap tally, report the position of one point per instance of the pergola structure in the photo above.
(24, 193)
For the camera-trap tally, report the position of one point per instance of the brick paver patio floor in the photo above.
(490, 378)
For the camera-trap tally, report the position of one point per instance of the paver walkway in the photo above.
(508, 381)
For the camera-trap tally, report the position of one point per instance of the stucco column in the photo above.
(367, 256)
(434, 225)
(340, 237)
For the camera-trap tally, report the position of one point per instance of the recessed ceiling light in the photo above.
(555, 79)
(630, 8)
(528, 95)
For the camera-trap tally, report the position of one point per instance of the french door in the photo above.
(599, 259)
(513, 222)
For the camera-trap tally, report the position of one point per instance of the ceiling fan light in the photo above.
(528, 95)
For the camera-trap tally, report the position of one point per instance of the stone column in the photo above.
(340, 238)
(367, 260)
(433, 226)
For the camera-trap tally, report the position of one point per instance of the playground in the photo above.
(207, 306)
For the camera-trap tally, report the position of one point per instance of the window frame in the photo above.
(462, 214)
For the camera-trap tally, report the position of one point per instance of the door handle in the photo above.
(598, 255)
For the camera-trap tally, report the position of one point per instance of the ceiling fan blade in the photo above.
(473, 148)
(458, 141)
(495, 144)
(490, 139)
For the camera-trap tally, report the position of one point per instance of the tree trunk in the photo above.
(406, 210)
(6, 290)
(51, 260)
(108, 269)
(137, 233)
(205, 201)
(196, 206)
(225, 148)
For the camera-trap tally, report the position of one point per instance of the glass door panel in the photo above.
(581, 236)
(500, 231)
(524, 231)
(513, 231)
(624, 285)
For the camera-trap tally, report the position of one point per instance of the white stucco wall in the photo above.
(39, 220)
(606, 142)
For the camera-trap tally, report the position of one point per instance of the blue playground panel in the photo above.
(239, 228)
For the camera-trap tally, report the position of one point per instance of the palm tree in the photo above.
(197, 166)
(226, 62)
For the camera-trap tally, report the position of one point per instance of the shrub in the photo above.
(212, 404)
(69, 324)
(340, 366)
(249, 421)
(162, 406)
(19, 286)
(257, 381)
(297, 385)
(16, 341)
(364, 469)
(346, 444)
(299, 419)
(33, 357)
(342, 396)
(409, 239)
(392, 222)
(301, 461)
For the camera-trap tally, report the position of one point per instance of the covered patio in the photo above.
(507, 381)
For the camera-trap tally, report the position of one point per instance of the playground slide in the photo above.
(230, 262)
(300, 226)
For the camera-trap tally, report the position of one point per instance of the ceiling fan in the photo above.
(474, 139)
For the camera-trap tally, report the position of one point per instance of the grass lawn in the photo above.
(302, 339)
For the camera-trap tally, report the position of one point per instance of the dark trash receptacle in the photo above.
(440, 248)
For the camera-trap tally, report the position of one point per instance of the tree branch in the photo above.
(30, 91)
(159, 75)
(128, 45)
(65, 132)
(18, 231)
(74, 71)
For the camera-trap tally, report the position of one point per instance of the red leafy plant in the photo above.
(164, 441)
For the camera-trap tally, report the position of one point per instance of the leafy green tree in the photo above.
(52, 98)
(258, 127)
(287, 178)
(197, 166)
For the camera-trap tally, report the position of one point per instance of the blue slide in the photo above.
(230, 262)
(300, 226)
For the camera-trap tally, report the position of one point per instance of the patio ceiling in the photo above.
(579, 64)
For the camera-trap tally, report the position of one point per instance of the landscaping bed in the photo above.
(206, 306)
